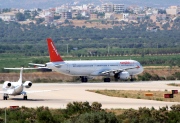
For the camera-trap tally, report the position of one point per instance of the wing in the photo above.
(27, 92)
(20, 68)
(117, 71)
(3, 92)
(37, 91)
(6, 92)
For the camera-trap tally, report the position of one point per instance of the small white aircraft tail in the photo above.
(21, 71)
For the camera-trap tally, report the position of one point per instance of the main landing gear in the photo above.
(131, 78)
(25, 96)
(5, 96)
(84, 79)
(107, 79)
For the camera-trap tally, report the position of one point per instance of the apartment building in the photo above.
(112, 7)
(93, 16)
(66, 15)
(173, 10)
(8, 16)
(63, 8)
(107, 7)
(118, 8)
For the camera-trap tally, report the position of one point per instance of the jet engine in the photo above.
(27, 84)
(7, 84)
(124, 75)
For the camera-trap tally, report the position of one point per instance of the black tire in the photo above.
(84, 79)
(25, 98)
(107, 79)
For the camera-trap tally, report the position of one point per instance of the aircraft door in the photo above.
(67, 68)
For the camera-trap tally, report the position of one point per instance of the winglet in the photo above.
(53, 53)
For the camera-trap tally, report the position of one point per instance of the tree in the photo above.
(39, 20)
(20, 17)
(96, 106)
(96, 117)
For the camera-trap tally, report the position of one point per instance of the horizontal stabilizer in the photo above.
(21, 68)
(39, 91)
(40, 65)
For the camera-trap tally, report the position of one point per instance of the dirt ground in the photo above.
(161, 71)
(81, 23)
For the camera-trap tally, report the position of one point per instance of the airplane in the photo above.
(120, 69)
(17, 88)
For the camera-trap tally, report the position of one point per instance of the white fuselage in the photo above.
(94, 67)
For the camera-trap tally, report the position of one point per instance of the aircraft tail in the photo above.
(53, 53)
(20, 77)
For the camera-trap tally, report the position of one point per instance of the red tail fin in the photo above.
(53, 53)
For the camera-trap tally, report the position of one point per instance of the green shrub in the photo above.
(95, 117)
(170, 78)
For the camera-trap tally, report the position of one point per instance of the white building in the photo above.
(172, 10)
(151, 11)
(112, 7)
(109, 16)
(118, 8)
(107, 7)
(45, 13)
(63, 9)
(8, 16)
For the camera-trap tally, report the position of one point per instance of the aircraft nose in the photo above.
(141, 69)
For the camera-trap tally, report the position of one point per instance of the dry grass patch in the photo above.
(157, 95)
(174, 84)
(116, 111)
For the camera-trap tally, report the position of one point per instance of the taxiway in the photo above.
(63, 93)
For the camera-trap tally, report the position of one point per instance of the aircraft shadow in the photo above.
(21, 99)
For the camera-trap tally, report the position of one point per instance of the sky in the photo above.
(30, 4)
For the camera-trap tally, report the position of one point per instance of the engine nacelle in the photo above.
(7, 84)
(27, 84)
(124, 75)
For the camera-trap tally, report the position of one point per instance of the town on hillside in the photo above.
(101, 16)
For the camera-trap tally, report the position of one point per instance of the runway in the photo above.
(64, 93)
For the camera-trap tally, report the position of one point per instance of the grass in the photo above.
(174, 84)
(139, 94)
(20, 60)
